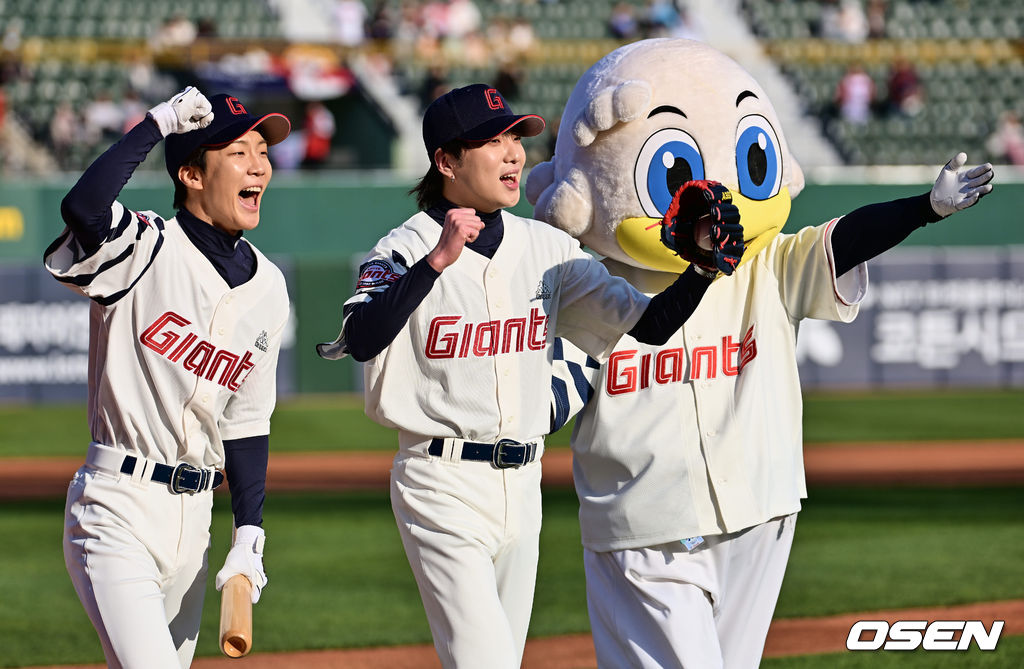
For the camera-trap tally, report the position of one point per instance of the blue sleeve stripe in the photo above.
(110, 299)
(86, 279)
(583, 387)
(560, 407)
(122, 225)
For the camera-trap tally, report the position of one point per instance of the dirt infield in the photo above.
(793, 636)
(933, 463)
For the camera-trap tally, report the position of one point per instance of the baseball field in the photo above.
(938, 536)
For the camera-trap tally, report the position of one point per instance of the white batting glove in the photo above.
(957, 189)
(188, 110)
(245, 558)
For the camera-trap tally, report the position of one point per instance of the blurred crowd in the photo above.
(657, 18)
(424, 47)
(858, 100)
(449, 31)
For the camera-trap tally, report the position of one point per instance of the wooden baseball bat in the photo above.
(236, 617)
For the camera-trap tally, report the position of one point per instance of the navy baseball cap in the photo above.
(475, 113)
(230, 121)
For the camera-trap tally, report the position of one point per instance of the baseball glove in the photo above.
(702, 225)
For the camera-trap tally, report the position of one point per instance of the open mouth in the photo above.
(250, 196)
(511, 180)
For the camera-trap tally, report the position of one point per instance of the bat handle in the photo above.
(236, 617)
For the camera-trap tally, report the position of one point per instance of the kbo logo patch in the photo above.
(913, 634)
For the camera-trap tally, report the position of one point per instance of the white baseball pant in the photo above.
(137, 554)
(471, 533)
(665, 607)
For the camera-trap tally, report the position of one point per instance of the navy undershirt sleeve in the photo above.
(875, 228)
(245, 462)
(859, 236)
(86, 207)
(372, 325)
(669, 309)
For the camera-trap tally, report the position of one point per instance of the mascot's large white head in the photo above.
(646, 118)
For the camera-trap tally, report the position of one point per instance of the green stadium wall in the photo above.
(323, 222)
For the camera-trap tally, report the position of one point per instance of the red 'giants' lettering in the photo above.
(627, 375)
(166, 337)
(447, 339)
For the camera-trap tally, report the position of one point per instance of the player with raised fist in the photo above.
(186, 323)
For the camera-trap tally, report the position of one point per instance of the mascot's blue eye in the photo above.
(668, 159)
(758, 158)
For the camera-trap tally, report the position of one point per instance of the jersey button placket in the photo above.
(499, 307)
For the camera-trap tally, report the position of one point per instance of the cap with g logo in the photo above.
(230, 121)
(473, 113)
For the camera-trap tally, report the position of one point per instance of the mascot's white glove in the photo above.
(957, 189)
(245, 558)
(188, 110)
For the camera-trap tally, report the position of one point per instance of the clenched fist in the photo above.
(461, 226)
(188, 110)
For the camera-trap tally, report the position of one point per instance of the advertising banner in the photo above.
(44, 338)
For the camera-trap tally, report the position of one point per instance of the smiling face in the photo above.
(487, 174)
(227, 193)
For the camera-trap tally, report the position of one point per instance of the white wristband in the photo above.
(165, 118)
(252, 536)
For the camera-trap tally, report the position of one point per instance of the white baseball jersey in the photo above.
(179, 361)
(703, 435)
(474, 360)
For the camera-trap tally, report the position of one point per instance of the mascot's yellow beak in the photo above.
(762, 220)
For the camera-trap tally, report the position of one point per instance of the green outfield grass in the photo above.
(337, 422)
(338, 577)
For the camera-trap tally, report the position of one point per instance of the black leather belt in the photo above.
(181, 478)
(506, 454)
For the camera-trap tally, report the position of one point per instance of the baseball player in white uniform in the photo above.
(185, 327)
(455, 314)
(687, 456)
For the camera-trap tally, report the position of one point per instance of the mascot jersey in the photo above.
(723, 451)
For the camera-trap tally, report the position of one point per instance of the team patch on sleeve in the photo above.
(376, 273)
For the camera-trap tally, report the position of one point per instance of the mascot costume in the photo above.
(688, 457)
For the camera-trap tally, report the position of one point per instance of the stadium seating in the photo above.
(72, 50)
(968, 57)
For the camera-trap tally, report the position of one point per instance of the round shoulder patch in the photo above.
(376, 273)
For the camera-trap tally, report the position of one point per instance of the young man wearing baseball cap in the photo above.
(185, 327)
(455, 314)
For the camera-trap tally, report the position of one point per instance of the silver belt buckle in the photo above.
(179, 473)
(498, 455)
